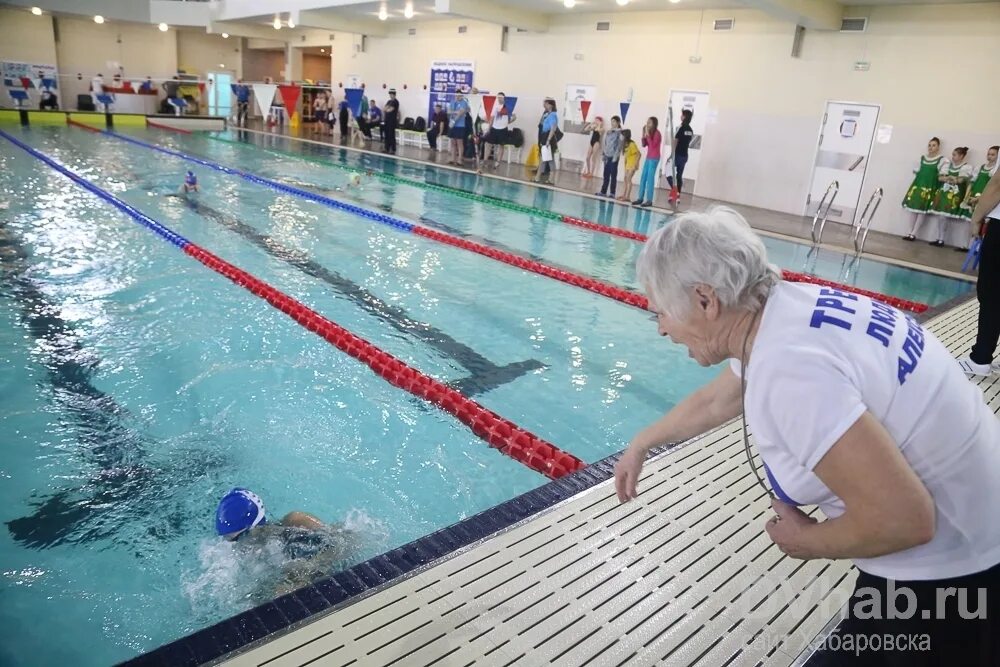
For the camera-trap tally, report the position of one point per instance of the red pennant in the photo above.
(290, 96)
(201, 86)
(584, 109)
(488, 102)
(26, 82)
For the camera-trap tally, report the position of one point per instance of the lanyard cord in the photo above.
(743, 403)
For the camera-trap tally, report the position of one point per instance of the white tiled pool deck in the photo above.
(685, 575)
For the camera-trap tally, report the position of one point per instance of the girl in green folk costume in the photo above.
(925, 184)
(954, 177)
(979, 182)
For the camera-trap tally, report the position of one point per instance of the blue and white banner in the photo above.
(447, 76)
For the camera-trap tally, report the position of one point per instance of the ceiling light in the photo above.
(322, 50)
(674, 2)
(622, 3)
(164, 27)
(37, 11)
(291, 23)
(569, 4)
(225, 35)
(383, 13)
(98, 19)
(222, 65)
(408, 10)
(277, 23)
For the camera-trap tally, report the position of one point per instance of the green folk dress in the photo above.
(982, 178)
(948, 200)
(925, 185)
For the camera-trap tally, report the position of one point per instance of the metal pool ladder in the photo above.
(863, 224)
(822, 213)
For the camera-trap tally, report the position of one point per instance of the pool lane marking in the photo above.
(596, 286)
(793, 276)
(502, 434)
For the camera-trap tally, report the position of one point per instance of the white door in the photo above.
(845, 145)
(697, 102)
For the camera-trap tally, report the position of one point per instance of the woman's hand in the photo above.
(786, 528)
(627, 472)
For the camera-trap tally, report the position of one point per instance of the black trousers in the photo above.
(988, 292)
(241, 113)
(610, 177)
(962, 628)
(679, 162)
(389, 136)
(342, 119)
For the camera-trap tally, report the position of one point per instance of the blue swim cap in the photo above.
(190, 178)
(239, 510)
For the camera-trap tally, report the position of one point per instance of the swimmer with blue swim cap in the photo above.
(311, 547)
(190, 183)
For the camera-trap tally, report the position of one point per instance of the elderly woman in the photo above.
(854, 408)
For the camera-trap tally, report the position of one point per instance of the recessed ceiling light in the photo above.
(622, 3)
(277, 23)
(291, 23)
(569, 4)
(322, 50)
(408, 10)
(383, 13)
(674, 2)
(98, 19)
(37, 11)
(225, 35)
(222, 65)
(163, 27)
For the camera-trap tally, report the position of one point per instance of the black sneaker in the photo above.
(637, 202)
(646, 204)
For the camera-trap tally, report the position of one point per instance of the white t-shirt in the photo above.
(501, 119)
(97, 85)
(947, 165)
(822, 358)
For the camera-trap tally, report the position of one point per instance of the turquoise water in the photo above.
(599, 255)
(138, 387)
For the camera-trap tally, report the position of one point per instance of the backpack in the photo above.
(420, 125)
(408, 123)
(517, 137)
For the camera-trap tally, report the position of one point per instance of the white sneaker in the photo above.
(969, 367)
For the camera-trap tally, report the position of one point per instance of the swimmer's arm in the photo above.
(302, 520)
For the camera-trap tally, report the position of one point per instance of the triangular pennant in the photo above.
(50, 83)
(201, 86)
(353, 97)
(624, 107)
(26, 82)
(290, 96)
(584, 109)
(264, 94)
(475, 104)
(136, 85)
(510, 103)
(488, 102)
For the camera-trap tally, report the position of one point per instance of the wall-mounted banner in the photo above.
(572, 111)
(447, 76)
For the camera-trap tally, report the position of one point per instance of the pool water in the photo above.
(138, 387)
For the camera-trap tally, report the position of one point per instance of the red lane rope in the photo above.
(76, 123)
(793, 276)
(596, 286)
(161, 126)
(500, 433)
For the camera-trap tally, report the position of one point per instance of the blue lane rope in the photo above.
(274, 185)
(132, 212)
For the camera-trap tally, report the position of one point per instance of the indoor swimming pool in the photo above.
(139, 386)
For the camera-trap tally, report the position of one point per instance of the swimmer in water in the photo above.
(354, 180)
(190, 183)
(312, 548)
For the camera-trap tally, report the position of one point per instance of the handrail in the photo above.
(821, 213)
(859, 236)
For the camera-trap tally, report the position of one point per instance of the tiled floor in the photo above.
(684, 575)
(836, 235)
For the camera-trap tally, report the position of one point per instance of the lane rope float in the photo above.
(500, 433)
(793, 276)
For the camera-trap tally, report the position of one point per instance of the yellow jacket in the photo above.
(632, 156)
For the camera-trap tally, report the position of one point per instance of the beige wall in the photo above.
(769, 105)
(85, 47)
(258, 64)
(200, 53)
(26, 38)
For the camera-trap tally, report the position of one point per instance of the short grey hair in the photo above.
(716, 248)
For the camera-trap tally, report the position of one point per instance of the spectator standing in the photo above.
(438, 126)
(632, 157)
(652, 140)
(391, 122)
(612, 151)
(548, 140)
(458, 115)
(679, 152)
(499, 134)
